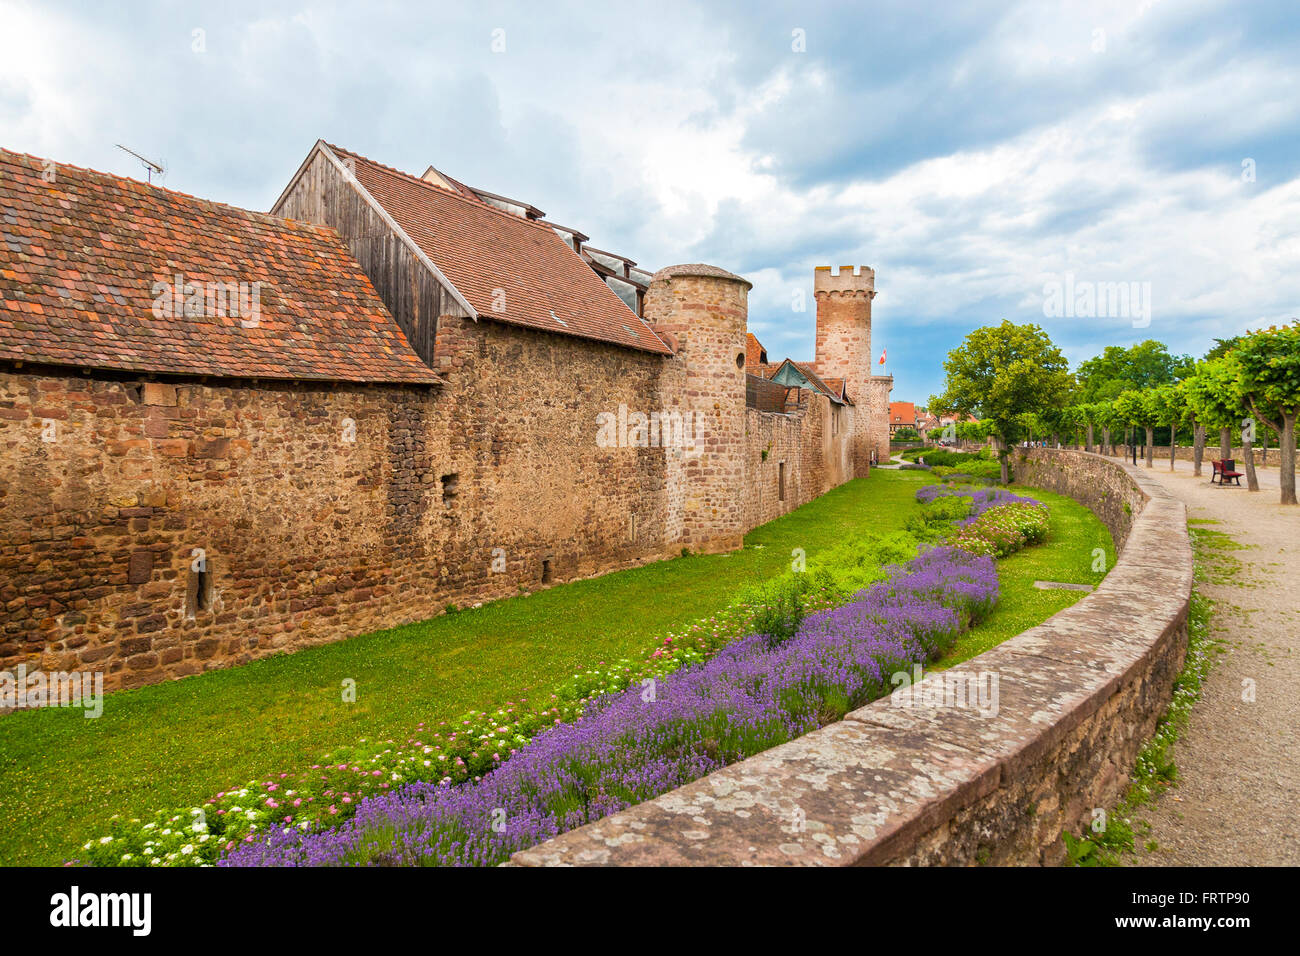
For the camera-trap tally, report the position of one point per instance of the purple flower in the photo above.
(635, 745)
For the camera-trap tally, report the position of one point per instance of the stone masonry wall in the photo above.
(309, 537)
(155, 529)
(843, 348)
(704, 310)
(1078, 696)
(877, 415)
(814, 451)
(1264, 458)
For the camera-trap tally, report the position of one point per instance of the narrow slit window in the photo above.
(450, 488)
(199, 592)
(546, 571)
(780, 482)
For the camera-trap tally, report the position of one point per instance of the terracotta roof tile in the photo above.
(902, 413)
(482, 249)
(80, 257)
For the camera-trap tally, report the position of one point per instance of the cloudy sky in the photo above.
(976, 155)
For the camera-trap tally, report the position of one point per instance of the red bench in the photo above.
(1225, 471)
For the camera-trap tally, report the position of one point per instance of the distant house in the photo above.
(927, 423)
(901, 415)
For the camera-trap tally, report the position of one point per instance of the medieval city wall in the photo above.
(319, 511)
(813, 446)
(170, 527)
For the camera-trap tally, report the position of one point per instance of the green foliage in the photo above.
(1267, 371)
(1003, 373)
(912, 454)
(780, 604)
(1145, 365)
(1003, 530)
(1212, 394)
(944, 457)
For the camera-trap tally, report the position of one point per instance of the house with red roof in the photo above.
(901, 415)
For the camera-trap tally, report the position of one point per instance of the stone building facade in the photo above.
(186, 492)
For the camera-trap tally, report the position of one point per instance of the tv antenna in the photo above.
(150, 166)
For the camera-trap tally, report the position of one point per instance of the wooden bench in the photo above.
(1225, 471)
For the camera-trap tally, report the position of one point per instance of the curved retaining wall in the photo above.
(890, 784)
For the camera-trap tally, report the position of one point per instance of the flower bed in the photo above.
(328, 793)
(470, 754)
(998, 522)
(646, 740)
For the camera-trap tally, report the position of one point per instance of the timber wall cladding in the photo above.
(412, 294)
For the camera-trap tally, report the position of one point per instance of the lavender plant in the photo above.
(631, 746)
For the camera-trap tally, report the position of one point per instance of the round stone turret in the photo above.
(704, 310)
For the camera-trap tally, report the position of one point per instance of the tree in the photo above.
(1221, 348)
(1118, 369)
(1001, 373)
(1268, 376)
(1137, 409)
(1103, 414)
(1212, 399)
(1088, 417)
(1167, 404)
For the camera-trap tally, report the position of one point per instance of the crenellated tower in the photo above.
(844, 351)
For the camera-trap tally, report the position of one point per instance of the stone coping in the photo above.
(1078, 695)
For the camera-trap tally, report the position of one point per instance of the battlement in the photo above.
(849, 279)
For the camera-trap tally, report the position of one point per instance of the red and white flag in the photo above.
(882, 356)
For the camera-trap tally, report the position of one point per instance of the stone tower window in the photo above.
(450, 488)
(740, 360)
(198, 591)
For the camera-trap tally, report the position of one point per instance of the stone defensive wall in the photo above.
(949, 785)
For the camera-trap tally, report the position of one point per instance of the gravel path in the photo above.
(1238, 792)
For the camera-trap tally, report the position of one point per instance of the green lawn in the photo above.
(62, 776)
(1065, 556)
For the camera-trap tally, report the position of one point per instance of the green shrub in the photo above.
(780, 604)
(945, 458)
(1003, 530)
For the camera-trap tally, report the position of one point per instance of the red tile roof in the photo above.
(482, 249)
(82, 254)
(837, 386)
(902, 413)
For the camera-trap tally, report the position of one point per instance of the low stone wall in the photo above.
(891, 784)
(1264, 457)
